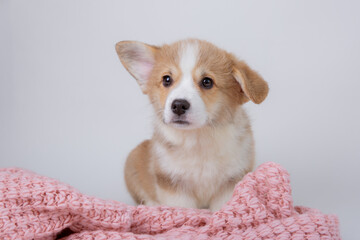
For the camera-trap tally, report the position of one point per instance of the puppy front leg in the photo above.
(175, 198)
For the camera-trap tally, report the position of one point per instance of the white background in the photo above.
(69, 110)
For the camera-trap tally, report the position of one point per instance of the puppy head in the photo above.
(191, 83)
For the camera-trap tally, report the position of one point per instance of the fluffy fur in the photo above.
(194, 159)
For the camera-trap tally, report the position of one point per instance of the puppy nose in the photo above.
(179, 106)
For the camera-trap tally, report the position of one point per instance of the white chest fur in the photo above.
(205, 160)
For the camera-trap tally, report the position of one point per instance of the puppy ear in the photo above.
(253, 85)
(138, 58)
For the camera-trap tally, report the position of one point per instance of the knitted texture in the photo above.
(37, 207)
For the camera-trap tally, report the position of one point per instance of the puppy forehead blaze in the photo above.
(176, 61)
(187, 63)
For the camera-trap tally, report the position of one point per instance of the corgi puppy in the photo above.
(202, 143)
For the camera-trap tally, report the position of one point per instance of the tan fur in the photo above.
(195, 167)
(139, 181)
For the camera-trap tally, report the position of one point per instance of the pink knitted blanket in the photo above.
(37, 207)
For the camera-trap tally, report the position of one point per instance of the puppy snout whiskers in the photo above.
(179, 106)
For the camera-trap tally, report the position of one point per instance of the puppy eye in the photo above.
(167, 81)
(207, 83)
